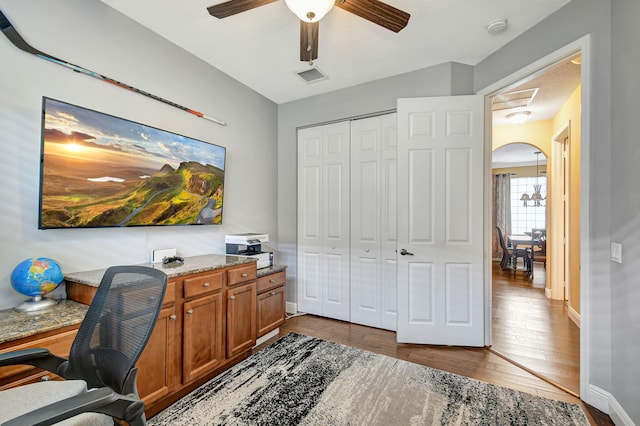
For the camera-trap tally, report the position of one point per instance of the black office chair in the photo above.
(507, 254)
(103, 355)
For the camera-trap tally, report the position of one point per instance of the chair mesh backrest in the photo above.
(117, 325)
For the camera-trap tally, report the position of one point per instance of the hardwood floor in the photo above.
(478, 363)
(533, 330)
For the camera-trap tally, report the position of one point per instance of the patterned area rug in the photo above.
(301, 380)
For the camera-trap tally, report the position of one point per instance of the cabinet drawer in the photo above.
(270, 281)
(202, 284)
(242, 274)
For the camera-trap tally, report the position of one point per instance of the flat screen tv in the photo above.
(98, 170)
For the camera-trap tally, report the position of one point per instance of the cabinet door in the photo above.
(271, 306)
(202, 336)
(241, 318)
(157, 369)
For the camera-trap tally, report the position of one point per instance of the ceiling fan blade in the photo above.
(309, 40)
(233, 7)
(377, 12)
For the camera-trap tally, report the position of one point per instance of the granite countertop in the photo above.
(17, 325)
(191, 265)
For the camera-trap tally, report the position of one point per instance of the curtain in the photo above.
(501, 211)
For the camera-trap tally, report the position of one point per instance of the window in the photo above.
(523, 219)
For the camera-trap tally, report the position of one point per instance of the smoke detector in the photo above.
(497, 26)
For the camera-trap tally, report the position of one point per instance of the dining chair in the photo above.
(507, 254)
(539, 245)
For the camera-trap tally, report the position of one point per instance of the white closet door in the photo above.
(323, 220)
(373, 257)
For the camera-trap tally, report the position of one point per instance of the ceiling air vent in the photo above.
(520, 98)
(311, 75)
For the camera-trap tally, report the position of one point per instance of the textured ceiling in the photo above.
(260, 47)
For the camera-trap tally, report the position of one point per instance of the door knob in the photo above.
(405, 253)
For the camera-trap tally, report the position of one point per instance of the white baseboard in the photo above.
(291, 308)
(574, 316)
(269, 335)
(605, 402)
(618, 415)
(598, 397)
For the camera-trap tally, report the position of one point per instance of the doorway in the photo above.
(536, 323)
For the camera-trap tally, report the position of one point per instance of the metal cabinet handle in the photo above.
(173, 317)
(366, 250)
(405, 253)
(190, 311)
(232, 297)
(206, 284)
(272, 281)
(273, 293)
(244, 275)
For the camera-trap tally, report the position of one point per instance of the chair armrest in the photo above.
(66, 408)
(37, 357)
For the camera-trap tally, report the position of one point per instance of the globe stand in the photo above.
(37, 303)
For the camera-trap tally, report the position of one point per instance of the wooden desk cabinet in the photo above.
(207, 324)
(209, 321)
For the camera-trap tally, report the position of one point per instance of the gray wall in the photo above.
(575, 20)
(91, 34)
(377, 96)
(625, 196)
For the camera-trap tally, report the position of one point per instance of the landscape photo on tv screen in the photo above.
(98, 170)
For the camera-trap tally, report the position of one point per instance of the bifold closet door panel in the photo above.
(323, 220)
(373, 170)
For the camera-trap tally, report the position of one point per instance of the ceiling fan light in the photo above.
(310, 10)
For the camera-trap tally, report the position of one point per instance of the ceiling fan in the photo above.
(311, 12)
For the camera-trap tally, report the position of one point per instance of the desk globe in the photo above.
(36, 277)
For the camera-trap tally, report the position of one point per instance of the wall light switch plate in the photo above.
(616, 252)
(160, 254)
